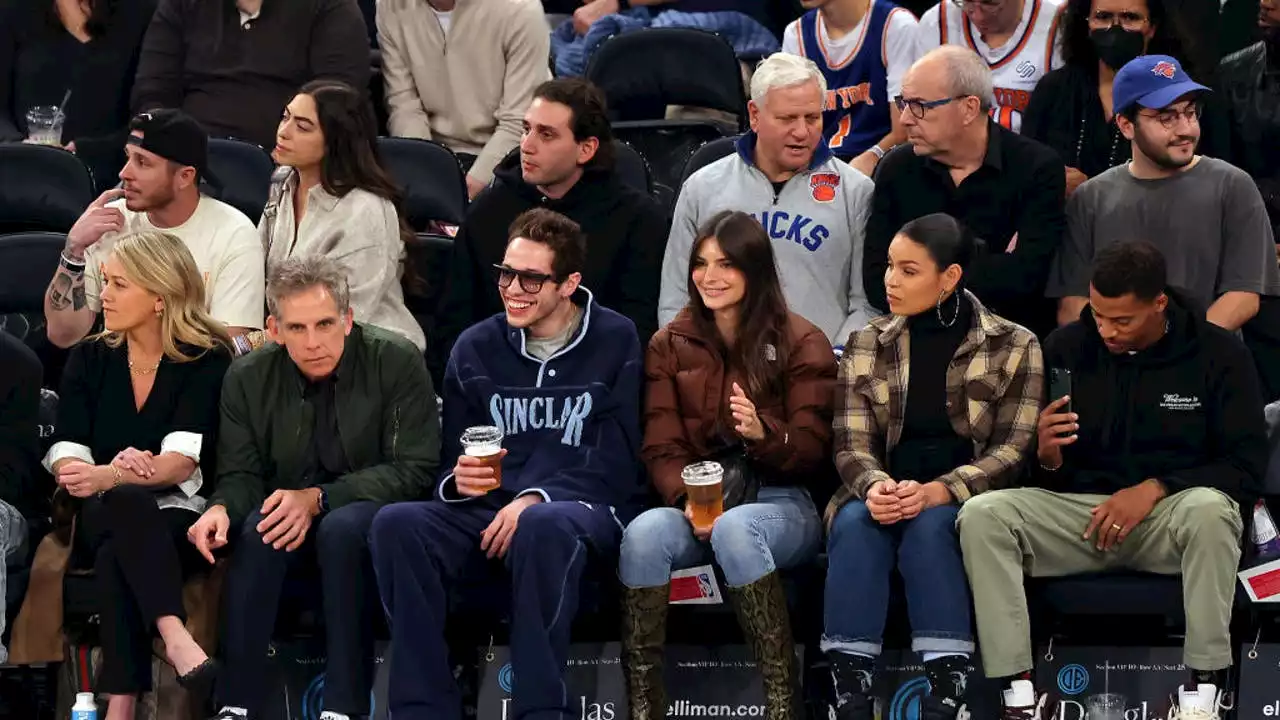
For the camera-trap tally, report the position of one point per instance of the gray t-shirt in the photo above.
(544, 348)
(1209, 221)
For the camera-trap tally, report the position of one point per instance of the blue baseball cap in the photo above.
(1152, 81)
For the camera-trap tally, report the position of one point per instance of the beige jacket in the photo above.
(469, 88)
(361, 231)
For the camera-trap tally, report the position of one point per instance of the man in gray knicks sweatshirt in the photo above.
(813, 205)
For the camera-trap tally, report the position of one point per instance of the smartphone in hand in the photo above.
(1060, 387)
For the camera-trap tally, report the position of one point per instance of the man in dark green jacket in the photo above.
(318, 432)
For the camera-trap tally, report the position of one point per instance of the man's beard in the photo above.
(1159, 154)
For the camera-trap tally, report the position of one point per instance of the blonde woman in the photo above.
(136, 438)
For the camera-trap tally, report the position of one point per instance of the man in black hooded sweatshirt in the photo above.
(565, 164)
(1145, 465)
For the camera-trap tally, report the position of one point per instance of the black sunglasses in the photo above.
(531, 282)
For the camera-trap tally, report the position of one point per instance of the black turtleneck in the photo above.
(929, 446)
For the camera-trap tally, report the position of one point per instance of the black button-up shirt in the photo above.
(1018, 190)
(326, 459)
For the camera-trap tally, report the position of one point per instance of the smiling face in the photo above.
(533, 263)
(126, 305)
(150, 181)
(312, 329)
(788, 126)
(1167, 137)
(721, 284)
(299, 137)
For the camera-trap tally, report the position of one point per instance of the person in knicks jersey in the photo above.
(863, 48)
(813, 206)
(559, 375)
(1018, 39)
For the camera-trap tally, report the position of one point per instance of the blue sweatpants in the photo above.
(421, 549)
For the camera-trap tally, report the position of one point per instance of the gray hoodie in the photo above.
(817, 223)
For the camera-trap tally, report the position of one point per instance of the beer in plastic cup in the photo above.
(1105, 706)
(703, 492)
(485, 444)
(44, 125)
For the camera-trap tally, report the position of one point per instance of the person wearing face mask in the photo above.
(1070, 110)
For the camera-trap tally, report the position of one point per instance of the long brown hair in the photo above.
(350, 159)
(762, 316)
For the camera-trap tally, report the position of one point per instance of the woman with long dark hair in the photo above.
(333, 198)
(1070, 110)
(136, 440)
(737, 378)
(82, 51)
(937, 402)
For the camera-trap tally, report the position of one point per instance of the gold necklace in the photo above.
(143, 371)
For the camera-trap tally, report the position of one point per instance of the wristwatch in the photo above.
(323, 500)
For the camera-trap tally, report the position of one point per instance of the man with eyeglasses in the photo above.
(559, 379)
(1206, 215)
(1005, 188)
(1016, 38)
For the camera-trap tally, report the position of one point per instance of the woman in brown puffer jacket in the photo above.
(736, 377)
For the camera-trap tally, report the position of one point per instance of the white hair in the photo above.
(967, 72)
(784, 70)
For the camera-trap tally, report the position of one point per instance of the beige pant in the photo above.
(1009, 534)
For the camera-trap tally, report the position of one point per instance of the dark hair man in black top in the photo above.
(566, 164)
(1006, 189)
(1150, 457)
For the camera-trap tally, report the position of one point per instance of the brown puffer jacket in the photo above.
(687, 407)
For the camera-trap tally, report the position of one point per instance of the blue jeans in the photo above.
(13, 537)
(862, 554)
(781, 529)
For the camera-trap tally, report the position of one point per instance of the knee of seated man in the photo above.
(984, 511)
(341, 530)
(542, 521)
(1202, 506)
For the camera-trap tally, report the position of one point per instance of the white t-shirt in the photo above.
(227, 252)
(1017, 66)
(445, 18)
(899, 45)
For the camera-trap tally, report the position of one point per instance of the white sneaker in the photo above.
(1198, 704)
(1020, 702)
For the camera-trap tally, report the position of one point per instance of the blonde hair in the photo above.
(784, 70)
(161, 264)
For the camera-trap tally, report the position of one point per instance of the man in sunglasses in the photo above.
(559, 378)
(1003, 187)
(1205, 215)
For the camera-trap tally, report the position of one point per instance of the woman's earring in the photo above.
(955, 315)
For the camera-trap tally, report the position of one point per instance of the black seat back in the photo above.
(41, 188)
(632, 167)
(244, 169)
(707, 154)
(430, 178)
(27, 264)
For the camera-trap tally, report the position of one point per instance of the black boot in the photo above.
(948, 683)
(762, 613)
(644, 632)
(852, 675)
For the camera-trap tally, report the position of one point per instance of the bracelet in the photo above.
(877, 151)
(1046, 468)
(242, 345)
(75, 266)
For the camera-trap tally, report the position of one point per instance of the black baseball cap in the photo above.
(176, 137)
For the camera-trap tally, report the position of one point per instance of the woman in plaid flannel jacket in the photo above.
(975, 385)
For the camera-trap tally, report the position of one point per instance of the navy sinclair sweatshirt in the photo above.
(572, 423)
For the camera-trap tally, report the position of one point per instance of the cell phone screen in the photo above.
(1060, 386)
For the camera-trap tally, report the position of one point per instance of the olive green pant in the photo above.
(1007, 535)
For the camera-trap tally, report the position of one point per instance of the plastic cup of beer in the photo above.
(44, 125)
(1105, 706)
(703, 492)
(485, 444)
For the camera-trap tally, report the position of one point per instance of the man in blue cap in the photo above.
(1205, 215)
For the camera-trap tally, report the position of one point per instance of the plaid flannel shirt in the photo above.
(994, 396)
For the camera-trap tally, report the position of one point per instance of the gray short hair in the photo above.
(784, 70)
(296, 274)
(967, 72)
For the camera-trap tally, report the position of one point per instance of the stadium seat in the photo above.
(428, 174)
(27, 263)
(431, 258)
(707, 154)
(41, 188)
(244, 169)
(633, 168)
(642, 73)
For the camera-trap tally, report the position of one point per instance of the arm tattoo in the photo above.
(67, 291)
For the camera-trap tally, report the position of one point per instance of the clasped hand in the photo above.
(891, 501)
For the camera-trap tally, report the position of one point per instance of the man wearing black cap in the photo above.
(1205, 215)
(160, 190)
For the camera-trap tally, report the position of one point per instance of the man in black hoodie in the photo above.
(566, 164)
(1145, 464)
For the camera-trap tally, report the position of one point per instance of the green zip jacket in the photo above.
(387, 422)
